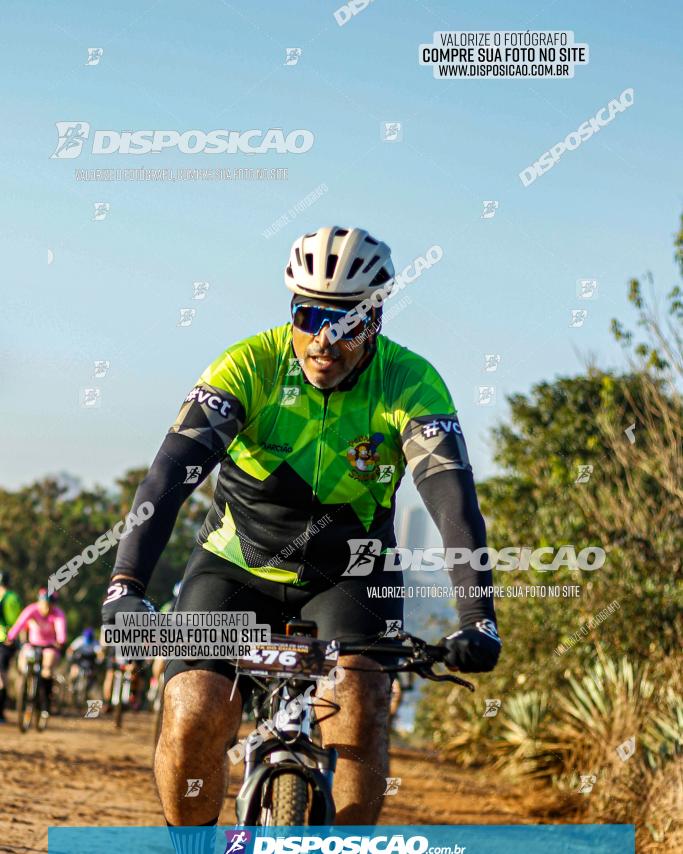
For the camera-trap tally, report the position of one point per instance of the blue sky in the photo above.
(505, 285)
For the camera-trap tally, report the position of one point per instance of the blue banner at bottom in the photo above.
(401, 839)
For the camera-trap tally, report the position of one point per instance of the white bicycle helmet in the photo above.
(345, 264)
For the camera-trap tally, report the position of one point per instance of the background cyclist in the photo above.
(46, 626)
(83, 650)
(10, 608)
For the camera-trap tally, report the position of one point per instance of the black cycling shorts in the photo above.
(6, 653)
(342, 611)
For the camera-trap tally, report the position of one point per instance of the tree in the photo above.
(41, 528)
(629, 427)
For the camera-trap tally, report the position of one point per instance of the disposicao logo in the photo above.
(72, 135)
(396, 844)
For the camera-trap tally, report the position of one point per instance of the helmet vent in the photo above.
(331, 265)
(373, 260)
(357, 264)
(309, 263)
(298, 256)
(371, 240)
(381, 277)
(342, 231)
(288, 271)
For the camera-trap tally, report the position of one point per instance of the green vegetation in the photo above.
(565, 709)
(44, 525)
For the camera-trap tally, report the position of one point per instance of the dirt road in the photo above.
(85, 772)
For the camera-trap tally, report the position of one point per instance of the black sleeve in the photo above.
(437, 456)
(208, 421)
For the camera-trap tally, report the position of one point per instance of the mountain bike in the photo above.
(81, 685)
(288, 774)
(28, 702)
(121, 689)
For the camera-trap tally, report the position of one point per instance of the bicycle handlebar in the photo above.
(435, 653)
(421, 658)
(417, 657)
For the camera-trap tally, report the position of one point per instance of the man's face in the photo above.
(325, 364)
(43, 607)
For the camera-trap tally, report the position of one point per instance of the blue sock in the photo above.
(194, 840)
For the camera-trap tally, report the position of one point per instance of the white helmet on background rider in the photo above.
(338, 264)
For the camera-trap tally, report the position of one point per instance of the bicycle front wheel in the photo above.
(290, 801)
(80, 692)
(26, 702)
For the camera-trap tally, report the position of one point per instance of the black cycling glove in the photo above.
(125, 594)
(473, 650)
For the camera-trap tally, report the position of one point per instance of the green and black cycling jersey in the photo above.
(308, 475)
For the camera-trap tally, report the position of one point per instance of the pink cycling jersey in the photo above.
(49, 630)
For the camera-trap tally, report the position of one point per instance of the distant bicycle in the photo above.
(81, 683)
(83, 655)
(28, 701)
(122, 689)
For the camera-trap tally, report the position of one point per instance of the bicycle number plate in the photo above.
(285, 656)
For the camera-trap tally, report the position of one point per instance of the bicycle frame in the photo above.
(82, 682)
(33, 659)
(32, 663)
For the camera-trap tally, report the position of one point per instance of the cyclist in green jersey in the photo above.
(313, 424)
(10, 608)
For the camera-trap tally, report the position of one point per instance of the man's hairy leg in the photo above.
(199, 722)
(360, 733)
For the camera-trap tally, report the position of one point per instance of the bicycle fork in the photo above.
(289, 748)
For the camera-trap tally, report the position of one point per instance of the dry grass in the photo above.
(660, 827)
(552, 741)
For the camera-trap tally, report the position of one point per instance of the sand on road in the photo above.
(85, 772)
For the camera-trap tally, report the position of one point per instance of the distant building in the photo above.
(415, 530)
(429, 618)
(412, 528)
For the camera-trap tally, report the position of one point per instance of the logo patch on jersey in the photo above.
(441, 425)
(363, 457)
(208, 398)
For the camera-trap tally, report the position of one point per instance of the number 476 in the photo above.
(271, 656)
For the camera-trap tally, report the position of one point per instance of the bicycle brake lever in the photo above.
(428, 673)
